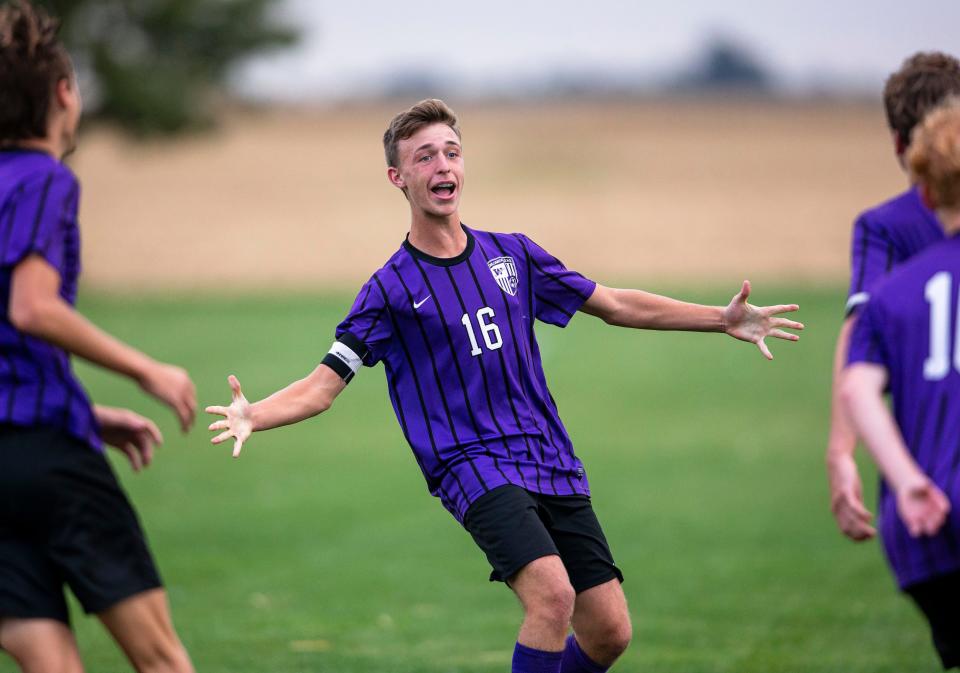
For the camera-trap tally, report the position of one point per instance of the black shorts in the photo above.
(514, 527)
(65, 520)
(939, 600)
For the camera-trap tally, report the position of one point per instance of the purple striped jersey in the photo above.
(456, 337)
(910, 327)
(886, 236)
(38, 216)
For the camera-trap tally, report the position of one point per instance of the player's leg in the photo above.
(505, 523)
(40, 645)
(601, 629)
(143, 629)
(548, 598)
(101, 551)
(601, 621)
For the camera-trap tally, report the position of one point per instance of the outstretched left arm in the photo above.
(643, 310)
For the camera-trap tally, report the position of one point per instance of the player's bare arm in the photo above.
(739, 319)
(299, 401)
(846, 488)
(37, 308)
(922, 506)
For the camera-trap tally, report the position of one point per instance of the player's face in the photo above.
(431, 170)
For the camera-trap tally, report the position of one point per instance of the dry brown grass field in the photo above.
(657, 192)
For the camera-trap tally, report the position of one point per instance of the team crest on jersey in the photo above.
(504, 271)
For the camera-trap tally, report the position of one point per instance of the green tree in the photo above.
(158, 65)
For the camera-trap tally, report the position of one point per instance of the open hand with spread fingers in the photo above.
(755, 323)
(237, 422)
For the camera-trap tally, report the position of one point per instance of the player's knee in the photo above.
(554, 604)
(612, 641)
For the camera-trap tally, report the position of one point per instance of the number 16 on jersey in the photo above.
(489, 330)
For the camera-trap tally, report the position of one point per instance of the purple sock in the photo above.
(528, 660)
(576, 661)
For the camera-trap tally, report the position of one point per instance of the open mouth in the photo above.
(444, 189)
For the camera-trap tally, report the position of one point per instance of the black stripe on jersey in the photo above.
(506, 379)
(403, 424)
(10, 217)
(16, 382)
(439, 382)
(529, 357)
(532, 337)
(62, 372)
(863, 257)
(551, 276)
(516, 351)
(550, 303)
(456, 362)
(416, 381)
(889, 257)
(42, 379)
(486, 388)
(40, 209)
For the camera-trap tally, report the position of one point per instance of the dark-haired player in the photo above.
(884, 237)
(907, 341)
(451, 316)
(63, 517)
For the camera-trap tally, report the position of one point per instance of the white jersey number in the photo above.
(937, 293)
(490, 331)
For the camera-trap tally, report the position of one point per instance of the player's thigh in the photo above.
(543, 584)
(580, 541)
(505, 523)
(40, 645)
(143, 628)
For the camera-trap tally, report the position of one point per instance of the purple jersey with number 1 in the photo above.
(910, 327)
(456, 337)
(38, 216)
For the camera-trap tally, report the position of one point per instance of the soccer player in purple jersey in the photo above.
(907, 341)
(883, 237)
(451, 316)
(63, 516)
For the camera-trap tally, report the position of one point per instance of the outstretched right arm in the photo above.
(36, 308)
(299, 401)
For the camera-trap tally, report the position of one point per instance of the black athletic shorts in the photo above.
(514, 526)
(65, 520)
(939, 600)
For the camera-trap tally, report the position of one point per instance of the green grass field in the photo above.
(321, 551)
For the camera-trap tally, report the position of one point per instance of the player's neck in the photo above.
(45, 145)
(438, 237)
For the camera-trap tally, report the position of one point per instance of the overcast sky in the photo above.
(348, 47)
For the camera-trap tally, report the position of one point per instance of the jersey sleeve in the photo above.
(871, 256)
(868, 342)
(368, 323)
(37, 222)
(557, 291)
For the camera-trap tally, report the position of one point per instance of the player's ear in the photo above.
(393, 175)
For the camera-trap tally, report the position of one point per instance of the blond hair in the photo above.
(934, 155)
(407, 123)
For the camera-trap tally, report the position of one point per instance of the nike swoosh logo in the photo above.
(418, 304)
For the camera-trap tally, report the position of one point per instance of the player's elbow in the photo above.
(849, 390)
(28, 315)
